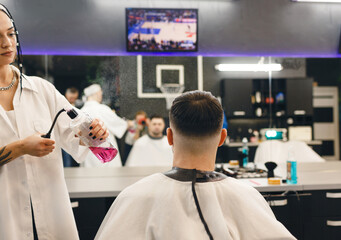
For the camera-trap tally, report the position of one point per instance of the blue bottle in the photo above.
(291, 167)
(245, 152)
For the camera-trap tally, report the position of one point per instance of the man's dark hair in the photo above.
(196, 113)
(156, 116)
(71, 90)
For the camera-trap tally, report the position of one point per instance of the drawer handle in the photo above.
(299, 112)
(239, 113)
(333, 223)
(75, 204)
(333, 195)
(274, 203)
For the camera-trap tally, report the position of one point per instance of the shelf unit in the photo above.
(326, 121)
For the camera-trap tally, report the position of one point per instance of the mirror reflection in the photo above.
(296, 102)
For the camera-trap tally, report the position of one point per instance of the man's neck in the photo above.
(190, 161)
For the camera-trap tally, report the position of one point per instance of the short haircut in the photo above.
(196, 113)
(156, 116)
(71, 90)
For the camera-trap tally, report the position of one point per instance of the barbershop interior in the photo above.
(274, 66)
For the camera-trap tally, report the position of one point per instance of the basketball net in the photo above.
(170, 92)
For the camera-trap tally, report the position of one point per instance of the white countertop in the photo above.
(109, 182)
(255, 144)
(104, 182)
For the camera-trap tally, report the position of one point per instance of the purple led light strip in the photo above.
(183, 54)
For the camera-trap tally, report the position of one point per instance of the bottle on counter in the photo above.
(291, 167)
(80, 125)
(245, 152)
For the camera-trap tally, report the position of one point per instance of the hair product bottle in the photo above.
(80, 125)
(291, 167)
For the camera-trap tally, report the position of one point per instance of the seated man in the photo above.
(151, 149)
(191, 201)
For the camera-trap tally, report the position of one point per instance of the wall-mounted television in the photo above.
(161, 30)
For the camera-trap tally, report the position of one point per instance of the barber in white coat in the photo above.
(116, 125)
(34, 200)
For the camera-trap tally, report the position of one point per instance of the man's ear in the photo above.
(170, 136)
(223, 135)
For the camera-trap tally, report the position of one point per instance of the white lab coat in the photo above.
(148, 151)
(115, 125)
(158, 207)
(40, 179)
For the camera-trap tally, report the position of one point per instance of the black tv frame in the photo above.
(157, 50)
(340, 42)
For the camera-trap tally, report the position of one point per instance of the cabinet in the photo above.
(250, 105)
(290, 97)
(291, 209)
(326, 120)
(325, 221)
(89, 214)
(236, 97)
(312, 215)
(299, 97)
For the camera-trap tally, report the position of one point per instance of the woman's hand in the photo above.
(97, 130)
(35, 145)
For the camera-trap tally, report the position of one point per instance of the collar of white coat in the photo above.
(91, 102)
(26, 84)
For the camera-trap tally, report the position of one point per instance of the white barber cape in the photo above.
(159, 207)
(115, 125)
(37, 180)
(148, 151)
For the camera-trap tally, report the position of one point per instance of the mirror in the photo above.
(289, 99)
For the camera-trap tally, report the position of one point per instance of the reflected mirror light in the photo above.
(249, 67)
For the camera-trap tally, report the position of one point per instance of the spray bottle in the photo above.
(245, 152)
(291, 167)
(80, 125)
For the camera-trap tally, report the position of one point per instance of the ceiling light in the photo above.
(248, 67)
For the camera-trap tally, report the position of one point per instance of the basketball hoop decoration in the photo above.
(170, 92)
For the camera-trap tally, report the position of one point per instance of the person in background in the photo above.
(116, 125)
(191, 201)
(136, 131)
(34, 200)
(152, 149)
(71, 94)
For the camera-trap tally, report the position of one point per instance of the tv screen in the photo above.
(161, 30)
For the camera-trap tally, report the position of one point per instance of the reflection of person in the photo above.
(152, 149)
(194, 201)
(71, 94)
(137, 130)
(116, 125)
(34, 199)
